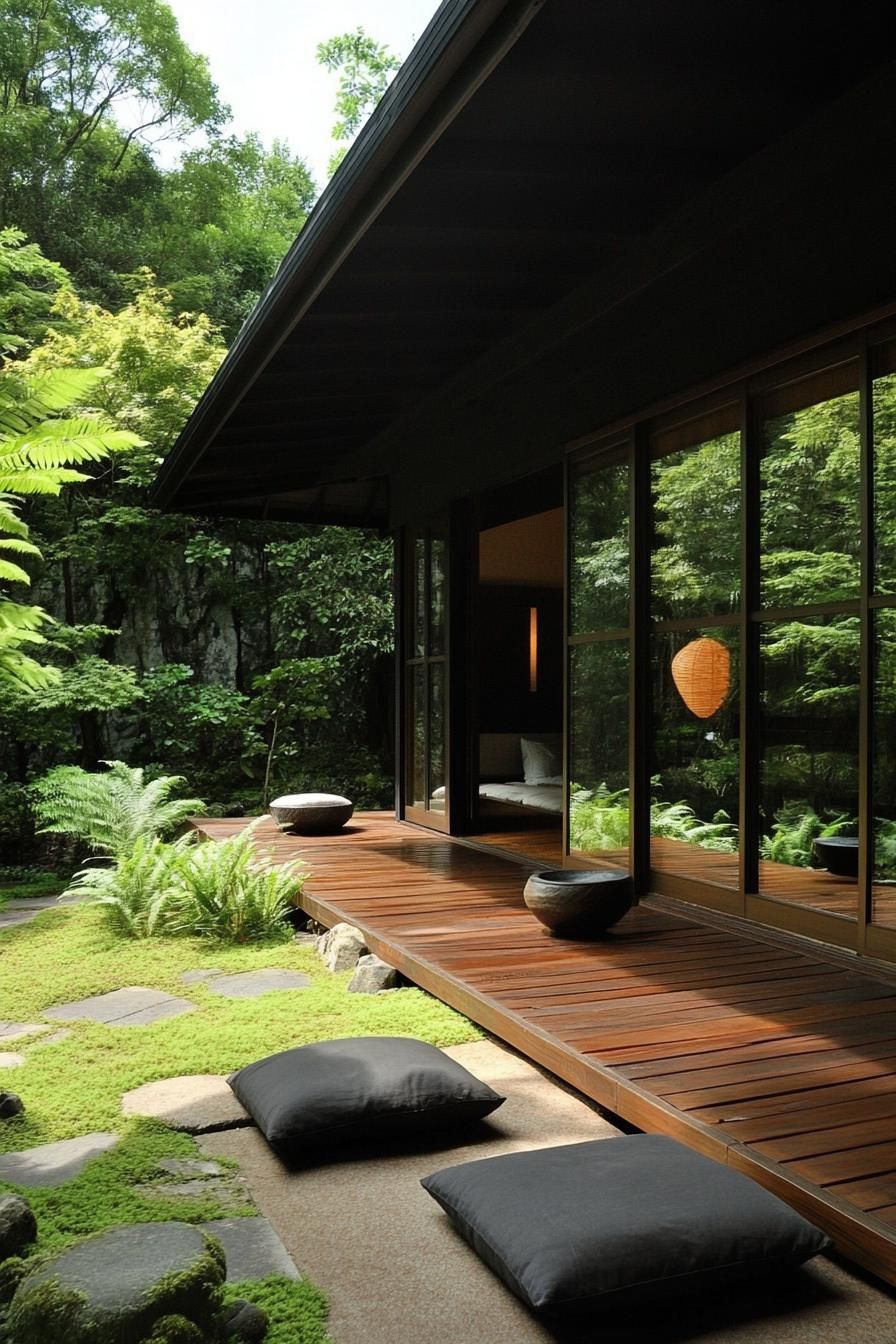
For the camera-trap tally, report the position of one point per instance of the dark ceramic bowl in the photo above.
(573, 903)
(839, 854)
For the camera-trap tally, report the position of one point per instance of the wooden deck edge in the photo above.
(847, 1226)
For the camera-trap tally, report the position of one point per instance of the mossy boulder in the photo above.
(120, 1286)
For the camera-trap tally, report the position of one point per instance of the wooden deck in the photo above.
(778, 1061)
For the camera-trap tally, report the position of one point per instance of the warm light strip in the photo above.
(533, 649)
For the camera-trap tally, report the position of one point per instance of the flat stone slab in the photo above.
(126, 1278)
(198, 1103)
(21, 910)
(228, 1192)
(11, 1031)
(10, 1060)
(197, 977)
(252, 1248)
(251, 984)
(54, 1163)
(190, 1166)
(131, 1007)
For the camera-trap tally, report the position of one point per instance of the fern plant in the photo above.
(227, 893)
(678, 821)
(112, 810)
(794, 829)
(142, 891)
(40, 452)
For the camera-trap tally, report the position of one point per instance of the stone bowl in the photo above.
(839, 854)
(311, 813)
(576, 903)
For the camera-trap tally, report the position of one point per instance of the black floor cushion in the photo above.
(617, 1221)
(366, 1087)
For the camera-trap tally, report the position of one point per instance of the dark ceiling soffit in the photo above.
(781, 169)
(463, 43)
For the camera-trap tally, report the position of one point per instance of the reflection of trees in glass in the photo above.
(599, 702)
(810, 673)
(599, 545)
(696, 761)
(885, 483)
(884, 746)
(696, 557)
(810, 533)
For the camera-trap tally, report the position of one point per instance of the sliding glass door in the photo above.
(731, 649)
(426, 792)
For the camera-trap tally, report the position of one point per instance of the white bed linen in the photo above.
(547, 797)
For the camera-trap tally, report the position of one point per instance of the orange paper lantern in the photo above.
(702, 674)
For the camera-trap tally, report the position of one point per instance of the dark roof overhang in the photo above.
(527, 152)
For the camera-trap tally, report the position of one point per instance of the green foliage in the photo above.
(295, 1308)
(599, 821)
(794, 829)
(140, 891)
(111, 810)
(225, 892)
(40, 452)
(29, 282)
(365, 68)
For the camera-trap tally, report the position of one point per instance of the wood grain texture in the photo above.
(779, 1063)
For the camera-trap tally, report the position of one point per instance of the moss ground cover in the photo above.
(75, 1085)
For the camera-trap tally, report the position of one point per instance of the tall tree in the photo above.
(365, 68)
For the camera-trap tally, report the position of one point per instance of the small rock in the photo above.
(341, 948)
(244, 1321)
(10, 1105)
(372, 976)
(18, 1225)
(176, 1330)
(315, 927)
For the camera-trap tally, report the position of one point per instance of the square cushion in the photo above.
(542, 757)
(335, 1092)
(618, 1220)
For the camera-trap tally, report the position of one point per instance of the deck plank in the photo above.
(780, 1063)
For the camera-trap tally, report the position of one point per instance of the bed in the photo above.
(521, 770)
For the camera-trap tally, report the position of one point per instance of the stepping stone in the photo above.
(251, 984)
(229, 1192)
(252, 1247)
(10, 1060)
(131, 1007)
(198, 1104)
(11, 1031)
(22, 910)
(116, 1286)
(54, 1163)
(196, 977)
(190, 1166)
(56, 1037)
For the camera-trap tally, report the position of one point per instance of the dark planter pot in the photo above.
(311, 813)
(839, 854)
(579, 904)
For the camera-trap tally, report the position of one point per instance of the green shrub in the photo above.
(225, 892)
(599, 821)
(111, 810)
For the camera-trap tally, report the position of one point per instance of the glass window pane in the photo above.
(810, 533)
(809, 767)
(598, 773)
(885, 483)
(696, 516)
(418, 736)
(696, 755)
(419, 597)
(883, 801)
(437, 594)
(436, 800)
(599, 547)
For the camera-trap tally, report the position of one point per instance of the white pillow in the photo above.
(541, 757)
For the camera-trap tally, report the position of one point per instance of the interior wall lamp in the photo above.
(533, 650)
